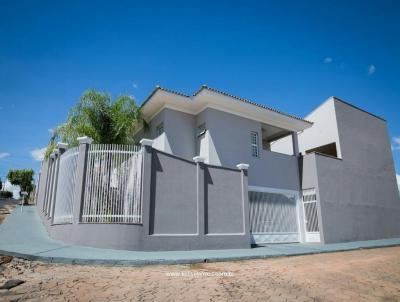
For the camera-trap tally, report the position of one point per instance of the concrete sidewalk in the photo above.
(23, 235)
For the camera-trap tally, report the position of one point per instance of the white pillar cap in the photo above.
(85, 140)
(62, 145)
(243, 166)
(198, 159)
(146, 142)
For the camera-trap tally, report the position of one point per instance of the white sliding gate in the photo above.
(113, 184)
(273, 215)
(64, 205)
(310, 204)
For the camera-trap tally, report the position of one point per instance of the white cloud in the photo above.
(396, 143)
(38, 154)
(134, 85)
(14, 189)
(371, 69)
(328, 60)
(4, 154)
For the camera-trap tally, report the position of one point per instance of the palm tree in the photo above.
(104, 120)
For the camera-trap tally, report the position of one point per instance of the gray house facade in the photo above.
(218, 171)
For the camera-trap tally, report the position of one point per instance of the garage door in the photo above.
(273, 217)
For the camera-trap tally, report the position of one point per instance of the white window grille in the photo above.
(254, 143)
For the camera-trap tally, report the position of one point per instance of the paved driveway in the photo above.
(362, 275)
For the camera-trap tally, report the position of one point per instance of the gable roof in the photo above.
(196, 96)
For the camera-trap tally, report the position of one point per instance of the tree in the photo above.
(23, 179)
(104, 120)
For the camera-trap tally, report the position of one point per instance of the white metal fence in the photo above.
(113, 184)
(64, 205)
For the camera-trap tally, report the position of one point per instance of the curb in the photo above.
(142, 262)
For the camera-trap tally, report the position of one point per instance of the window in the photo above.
(254, 143)
(201, 129)
(160, 129)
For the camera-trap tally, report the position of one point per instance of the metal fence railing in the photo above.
(64, 201)
(112, 192)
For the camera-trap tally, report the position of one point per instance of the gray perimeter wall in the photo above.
(185, 206)
(358, 195)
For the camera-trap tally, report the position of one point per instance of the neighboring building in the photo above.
(327, 178)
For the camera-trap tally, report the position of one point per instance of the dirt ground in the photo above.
(6, 207)
(362, 275)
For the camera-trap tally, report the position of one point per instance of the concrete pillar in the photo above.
(84, 143)
(245, 197)
(56, 157)
(147, 150)
(61, 148)
(47, 183)
(295, 143)
(201, 207)
(50, 186)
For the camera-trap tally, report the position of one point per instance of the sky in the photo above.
(289, 55)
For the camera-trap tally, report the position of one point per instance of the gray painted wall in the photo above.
(185, 206)
(358, 194)
(179, 128)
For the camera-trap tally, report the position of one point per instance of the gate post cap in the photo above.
(198, 159)
(146, 142)
(85, 140)
(243, 166)
(62, 145)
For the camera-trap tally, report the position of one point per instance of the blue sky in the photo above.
(288, 55)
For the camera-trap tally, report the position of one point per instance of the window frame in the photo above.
(159, 126)
(254, 146)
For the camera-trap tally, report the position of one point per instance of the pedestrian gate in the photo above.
(310, 205)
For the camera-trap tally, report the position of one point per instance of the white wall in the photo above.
(323, 131)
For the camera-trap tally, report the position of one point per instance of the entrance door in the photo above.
(273, 216)
(310, 204)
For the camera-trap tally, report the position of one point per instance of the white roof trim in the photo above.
(209, 99)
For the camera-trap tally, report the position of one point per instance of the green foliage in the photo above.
(104, 120)
(6, 194)
(22, 178)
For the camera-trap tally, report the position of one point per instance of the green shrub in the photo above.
(6, 194)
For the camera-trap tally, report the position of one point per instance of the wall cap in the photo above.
(85, 140)
(243, 166)
(198, 159)
(62, 145)
(146, 142)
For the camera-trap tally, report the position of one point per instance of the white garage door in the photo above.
(273, 217)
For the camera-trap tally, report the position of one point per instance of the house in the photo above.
(218, 171)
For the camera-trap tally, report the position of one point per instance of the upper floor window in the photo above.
(160, 129)
(254, 143)
(201, 129)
